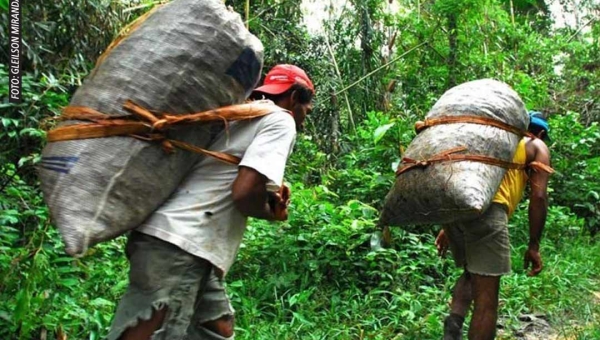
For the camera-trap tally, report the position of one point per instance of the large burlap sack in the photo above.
(446, 192)
(188, 56)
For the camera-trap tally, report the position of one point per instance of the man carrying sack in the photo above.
(482, 246)
(181, 253)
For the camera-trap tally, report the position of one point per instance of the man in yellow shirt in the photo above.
(482, 246)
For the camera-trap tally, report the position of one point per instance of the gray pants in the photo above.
(482, 246)
(163, 275)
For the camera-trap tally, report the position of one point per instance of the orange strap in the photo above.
(224, 157)
(169, 145)
(452, 156)
(422, 125)
(537, 166)
(143, 121)
(145, 125)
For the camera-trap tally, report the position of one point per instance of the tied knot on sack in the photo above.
(145, 125)
(410, 163)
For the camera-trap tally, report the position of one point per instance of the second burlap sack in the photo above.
(445, 192)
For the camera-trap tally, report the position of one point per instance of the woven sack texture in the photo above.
(447, 192)
(188, 56)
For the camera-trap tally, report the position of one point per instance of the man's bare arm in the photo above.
(538, 199)
(537, 151)
(250, 194)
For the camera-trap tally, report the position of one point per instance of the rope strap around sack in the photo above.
(451, 155)
(145, 125)
(422, 125)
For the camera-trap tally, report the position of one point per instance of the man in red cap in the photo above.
(180, 255)
(288, 86)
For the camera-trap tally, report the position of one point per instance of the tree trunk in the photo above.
(453, 49)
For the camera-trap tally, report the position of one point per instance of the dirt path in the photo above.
(537, 327)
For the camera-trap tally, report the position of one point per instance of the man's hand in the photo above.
(279, 202)
(285, 194)
(533, 259)
(251, 198)
(442, 243)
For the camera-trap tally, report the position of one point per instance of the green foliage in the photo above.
(578, 63)
(43, 290)
(321, 260)
(22, 124)
(318, 269)
(569, 277)
(319, 266)
(64, 36)
(45, 293)
(366, 173)
(316, 276)
(576, 151)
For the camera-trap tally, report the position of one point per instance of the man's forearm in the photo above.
(538, 209)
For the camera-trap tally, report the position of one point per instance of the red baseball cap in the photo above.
(281, 77)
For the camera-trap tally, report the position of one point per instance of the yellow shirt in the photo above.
(513, 184)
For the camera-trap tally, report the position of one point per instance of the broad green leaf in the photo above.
(23, 302)
(69, 282)
(98, 302)
(6, 122)
(380, 132)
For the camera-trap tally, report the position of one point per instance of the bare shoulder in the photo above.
(538, 144)
(537, 150)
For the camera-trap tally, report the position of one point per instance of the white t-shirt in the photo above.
(200, 216)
